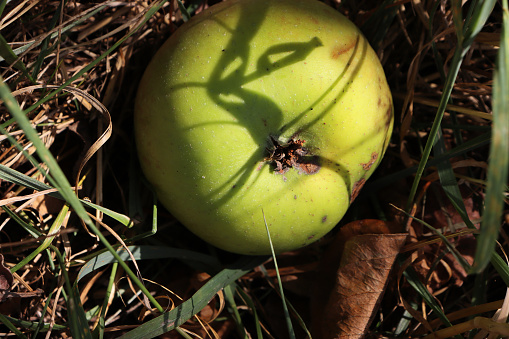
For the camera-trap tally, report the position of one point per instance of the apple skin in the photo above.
(234, 76)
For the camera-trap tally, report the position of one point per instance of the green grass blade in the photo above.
(34, 232)
(76, 314)
(459, 258)
(147, 252)
(8, 55)
(185, 14)
(179, 315)
(291, 332)
(249, 302)
(451, 78)
(449, 182)
(45, 45)
(229, 295)
(99, 330)
(404, 322)
(121, 218)
(55, 227)
(45, 50)
(154, 222)
(467, 146)
(6, 321)
(21, 179)
(32, 325)
(422, 290)
(480, 11)
(499, 154)
(501, 266)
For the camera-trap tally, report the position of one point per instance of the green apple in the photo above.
(262, 112)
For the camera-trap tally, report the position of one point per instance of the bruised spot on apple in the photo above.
(368, 165)
(262, 111)
(356, 189)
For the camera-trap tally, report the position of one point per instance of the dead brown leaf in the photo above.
(439, 212)
(6, 280)
(346, 299)
(6, 277)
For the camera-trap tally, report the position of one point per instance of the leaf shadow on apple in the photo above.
(226, 87)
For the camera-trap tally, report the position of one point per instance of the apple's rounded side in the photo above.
(237, 74)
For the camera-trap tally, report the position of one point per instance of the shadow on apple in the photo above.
(226, 88)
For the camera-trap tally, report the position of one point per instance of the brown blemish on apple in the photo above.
(371, 161)
(339, 50)
(309, 165)
(292, 155)
(388, 116)
(324, 218)
(356, 189)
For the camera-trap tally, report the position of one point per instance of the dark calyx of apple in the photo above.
(292, 154)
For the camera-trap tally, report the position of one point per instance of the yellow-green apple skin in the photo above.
(236, 76)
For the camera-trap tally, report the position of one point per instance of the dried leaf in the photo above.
(360, 280)
(439, 212)
(6, 277)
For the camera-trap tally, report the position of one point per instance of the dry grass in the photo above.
(72, 46)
